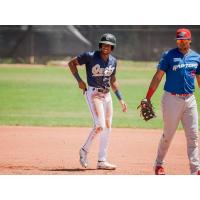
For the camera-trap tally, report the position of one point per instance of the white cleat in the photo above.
(83, 158)
(105, 165)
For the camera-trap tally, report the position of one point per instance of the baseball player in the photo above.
(100, 71)
(181, 65)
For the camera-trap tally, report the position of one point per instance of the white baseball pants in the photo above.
(101, 108)
(176, 109)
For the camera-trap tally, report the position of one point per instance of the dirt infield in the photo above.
(47, 150)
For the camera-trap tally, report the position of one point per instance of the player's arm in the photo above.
(198, 80)
(73, 68)
(115, 88)
(154, 83)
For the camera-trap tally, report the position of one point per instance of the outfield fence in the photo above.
(37, 44)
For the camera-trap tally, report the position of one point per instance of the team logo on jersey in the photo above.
(176, 59)
(193, 73)
(98, 71)
(191, 65)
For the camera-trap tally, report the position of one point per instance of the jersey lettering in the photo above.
(180, 70)
(179, 66)
(98, 71)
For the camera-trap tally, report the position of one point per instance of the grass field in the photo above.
(49, 96)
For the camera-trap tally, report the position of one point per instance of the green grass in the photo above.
(49, 96)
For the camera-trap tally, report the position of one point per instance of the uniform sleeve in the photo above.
(164, 62)
(198, 67)
(83, 58)
(114, 71)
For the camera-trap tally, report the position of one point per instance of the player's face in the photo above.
(106, 48)
(183, 45)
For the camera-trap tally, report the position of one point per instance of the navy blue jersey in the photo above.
(98, 71)
(180, 70)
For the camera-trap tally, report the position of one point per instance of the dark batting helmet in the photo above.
(108, 38)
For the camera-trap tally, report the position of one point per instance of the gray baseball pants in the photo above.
(176, 109)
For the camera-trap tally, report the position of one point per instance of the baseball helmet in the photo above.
(183, 34)
(108, 38)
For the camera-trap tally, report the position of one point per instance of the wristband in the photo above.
(149, 93)
(118, 94)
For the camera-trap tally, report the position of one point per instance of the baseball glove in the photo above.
(146, 110)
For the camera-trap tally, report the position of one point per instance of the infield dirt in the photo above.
(54, 150)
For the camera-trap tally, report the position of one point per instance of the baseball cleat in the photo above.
(196, 173)
(159, 170)
(105, 165)
(83, 158)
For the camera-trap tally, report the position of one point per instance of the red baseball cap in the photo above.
(183, 34)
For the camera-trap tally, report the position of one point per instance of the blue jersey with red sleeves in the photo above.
(180, 70)
(98, 71)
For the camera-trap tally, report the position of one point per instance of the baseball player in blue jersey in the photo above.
(100, 70)
(181, 65)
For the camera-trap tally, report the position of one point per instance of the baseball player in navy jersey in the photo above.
(181, 65)
(100, 70)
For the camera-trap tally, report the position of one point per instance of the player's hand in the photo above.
(123, 105)
(82, 85)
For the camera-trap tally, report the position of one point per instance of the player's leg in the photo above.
(97, 111)
(104, 136)
(190, 124)
(172, 108)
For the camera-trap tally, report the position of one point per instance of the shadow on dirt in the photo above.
(70, 169)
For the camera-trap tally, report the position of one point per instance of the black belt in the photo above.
(102, 90)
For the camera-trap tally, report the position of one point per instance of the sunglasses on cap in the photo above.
(183, 41)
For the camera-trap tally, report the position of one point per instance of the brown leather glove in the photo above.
(146, 109)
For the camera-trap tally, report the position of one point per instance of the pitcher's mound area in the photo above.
(49, 150)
